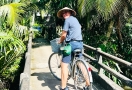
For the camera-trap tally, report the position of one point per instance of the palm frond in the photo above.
(10, 42)
(10, 49)
(11, 12)
(20, 31)
(104, 8)
(108, 8)
(84, 6)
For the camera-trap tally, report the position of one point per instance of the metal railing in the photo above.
(24, 83)
(99, 73)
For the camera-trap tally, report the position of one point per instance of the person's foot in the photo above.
(65, 88)
(87, 88)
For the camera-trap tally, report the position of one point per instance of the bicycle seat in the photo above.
(77, 51)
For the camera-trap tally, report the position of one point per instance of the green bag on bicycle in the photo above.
(67, 50)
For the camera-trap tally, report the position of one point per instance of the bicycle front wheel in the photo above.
(55, 65)
(82, 76)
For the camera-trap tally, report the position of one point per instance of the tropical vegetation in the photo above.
(13, 39)
(105, 24)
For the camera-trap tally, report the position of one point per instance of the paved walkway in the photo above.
(41, 78)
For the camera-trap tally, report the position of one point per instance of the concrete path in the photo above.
(41, 78)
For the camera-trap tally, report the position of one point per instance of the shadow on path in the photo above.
(49, 80)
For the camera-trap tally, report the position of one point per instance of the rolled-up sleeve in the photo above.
(66, 26)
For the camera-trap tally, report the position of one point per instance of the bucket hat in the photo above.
(59, 13)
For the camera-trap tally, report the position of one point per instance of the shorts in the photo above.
(74, 45)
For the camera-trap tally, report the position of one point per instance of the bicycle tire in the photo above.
(54, 65)
(79, 80)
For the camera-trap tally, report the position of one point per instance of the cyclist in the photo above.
(72, 34)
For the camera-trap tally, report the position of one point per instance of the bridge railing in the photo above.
(24, 83)
(98, 73)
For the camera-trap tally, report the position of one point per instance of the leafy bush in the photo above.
(11, 49)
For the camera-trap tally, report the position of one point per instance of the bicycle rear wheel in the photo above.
(54, 65)
(82, 75)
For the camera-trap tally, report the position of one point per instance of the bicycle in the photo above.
(79, 71)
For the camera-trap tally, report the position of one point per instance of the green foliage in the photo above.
(13, 33)
(11, 49)
(126, 47)
(13, 10)
(113, 65)
(37, 25)
(11, 71)
(37, 30)
(36, 34)
(111, 47)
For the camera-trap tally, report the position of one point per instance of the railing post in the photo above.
(99, 59)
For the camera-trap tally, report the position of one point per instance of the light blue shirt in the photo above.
(73, 28)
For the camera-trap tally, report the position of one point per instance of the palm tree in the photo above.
(98, 11)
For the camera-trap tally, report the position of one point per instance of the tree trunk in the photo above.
(110, 28)
(118, 29)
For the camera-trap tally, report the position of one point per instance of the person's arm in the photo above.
(63, 36)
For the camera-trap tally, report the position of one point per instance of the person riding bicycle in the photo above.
(72, 34)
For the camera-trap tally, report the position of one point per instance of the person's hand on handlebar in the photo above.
(63, 36)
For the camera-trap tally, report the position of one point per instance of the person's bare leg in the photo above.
(64, 74)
